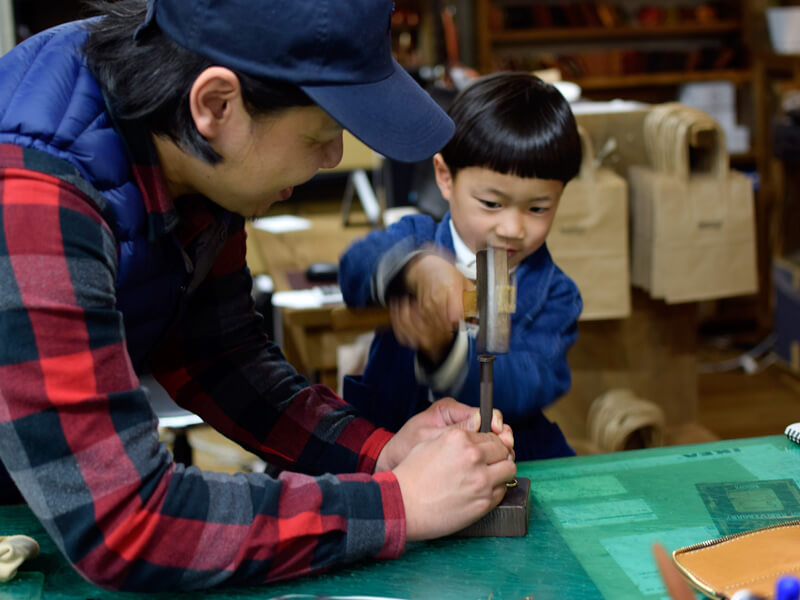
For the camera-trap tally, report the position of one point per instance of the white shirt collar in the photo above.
(465, 258)
(466, 261)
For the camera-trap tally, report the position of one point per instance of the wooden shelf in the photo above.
(737, 76)
(577, 49)
(772, 60)
(498, 45)
(741, 158)
(572, 34)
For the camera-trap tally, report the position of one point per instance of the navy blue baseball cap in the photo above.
(337, 51)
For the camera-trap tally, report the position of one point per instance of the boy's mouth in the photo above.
(510, 251)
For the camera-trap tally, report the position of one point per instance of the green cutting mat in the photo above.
(593, 520)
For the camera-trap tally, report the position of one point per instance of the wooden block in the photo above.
(506, 296)
(507, 519)
(470, 299)
(506, 300)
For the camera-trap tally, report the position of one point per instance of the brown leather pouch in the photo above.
(752, 560)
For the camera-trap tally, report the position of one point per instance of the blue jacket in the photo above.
(532, 375)
(42, 80)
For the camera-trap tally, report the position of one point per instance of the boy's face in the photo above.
(506, 211)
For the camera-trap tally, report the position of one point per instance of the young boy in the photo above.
(515, 147)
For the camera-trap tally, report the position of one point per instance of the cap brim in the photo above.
(394, 116)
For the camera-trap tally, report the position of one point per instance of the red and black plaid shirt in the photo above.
(79, 438)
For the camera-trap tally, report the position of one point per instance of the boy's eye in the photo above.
(489, 203)
(539, 209)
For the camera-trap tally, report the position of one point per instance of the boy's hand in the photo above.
(413, 330)
(439, 289)
(441, 416)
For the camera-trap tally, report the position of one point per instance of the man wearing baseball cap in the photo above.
(133, 146)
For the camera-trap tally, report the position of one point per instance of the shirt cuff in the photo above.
(449, 376)
(371, 450)
(375, 514)
(394, 516)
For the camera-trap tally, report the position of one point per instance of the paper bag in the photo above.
(693, 223)
(589, 238)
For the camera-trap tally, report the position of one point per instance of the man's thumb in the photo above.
(474, 422)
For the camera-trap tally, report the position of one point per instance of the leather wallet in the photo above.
(752, 560)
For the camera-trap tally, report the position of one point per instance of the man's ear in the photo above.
(214, 99)
(444, 179)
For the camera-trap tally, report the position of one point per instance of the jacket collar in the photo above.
(159, 205)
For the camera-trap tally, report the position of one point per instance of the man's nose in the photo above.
(333, 153)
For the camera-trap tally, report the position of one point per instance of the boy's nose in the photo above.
(510, 226)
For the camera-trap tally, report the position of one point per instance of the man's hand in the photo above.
(449, 474)
(441, 416)
(439, 289)
(451, 481)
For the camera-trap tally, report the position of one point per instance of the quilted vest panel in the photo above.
(52, 103)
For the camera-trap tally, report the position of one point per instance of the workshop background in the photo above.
(682, 230)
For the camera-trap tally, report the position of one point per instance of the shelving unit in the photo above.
(617, 60)
(632, 54)
(772, 74)
(618, 82)
(710, 39)
(622, 32)
(727, 24)
(411, 44)
(640, 56)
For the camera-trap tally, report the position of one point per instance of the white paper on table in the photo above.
(587, 107)
(281, 223)
(311, 298)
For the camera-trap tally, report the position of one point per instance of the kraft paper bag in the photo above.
(693, 225)
(589, 238)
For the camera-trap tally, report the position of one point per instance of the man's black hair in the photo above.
(514, 123)
(149, 78)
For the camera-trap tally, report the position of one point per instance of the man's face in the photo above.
(506, 211)
(264, 158)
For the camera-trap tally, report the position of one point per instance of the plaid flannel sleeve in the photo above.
(219, 364)
(80, 441)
